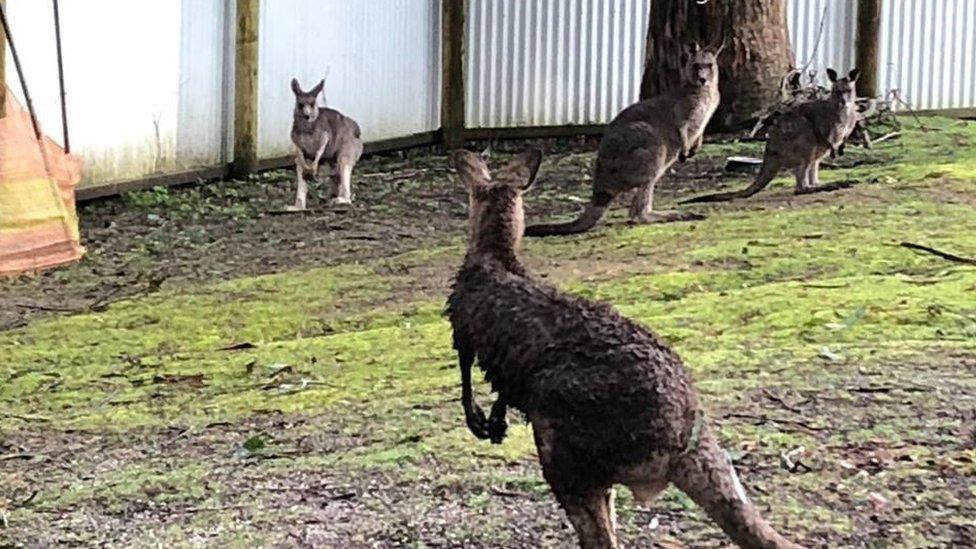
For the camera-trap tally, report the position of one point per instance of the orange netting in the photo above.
(38, 225)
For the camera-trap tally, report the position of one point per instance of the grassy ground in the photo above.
(212, 375)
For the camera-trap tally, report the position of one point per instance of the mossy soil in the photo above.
(214, 374)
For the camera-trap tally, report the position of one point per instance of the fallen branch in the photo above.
(939, 253)
(214, 509)
(506, 493)
(886, 137)
(759, 420)
(36, 307)
(10, 457)
(769, 394)
(896, 95)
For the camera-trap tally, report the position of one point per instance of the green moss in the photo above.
(812, 298)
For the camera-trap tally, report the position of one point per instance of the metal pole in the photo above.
(20, 72)
(64, 108)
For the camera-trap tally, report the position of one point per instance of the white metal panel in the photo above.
(141, 94)
(928, 52)
(382, 58)
(552, 62)
(822, 33)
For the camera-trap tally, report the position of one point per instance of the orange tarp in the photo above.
(38, 225)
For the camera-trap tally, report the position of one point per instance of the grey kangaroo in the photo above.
(323, 134)
(644, 140)
(801, 138)
(609, 402)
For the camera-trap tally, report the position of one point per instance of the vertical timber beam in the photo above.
(246, 89)
(452, 79)
(866, 46)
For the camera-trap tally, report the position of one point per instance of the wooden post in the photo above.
(3, 69)
(866, 47)
(452, 79)
(246, 89)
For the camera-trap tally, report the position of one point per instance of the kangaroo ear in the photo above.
(852, 76)
(721, 47)
(527, 167)
(295, 88)
(832, 75)
(692, 48)
(318, 87)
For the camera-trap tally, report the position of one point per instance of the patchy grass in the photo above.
(809, 329)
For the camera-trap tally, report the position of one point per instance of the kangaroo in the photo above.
(801, 138)
(644, 140)
(608, 401)
(320, 133)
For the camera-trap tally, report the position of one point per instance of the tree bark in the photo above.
(756, 57)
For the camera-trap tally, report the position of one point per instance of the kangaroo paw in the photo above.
(497, 427)
(683, 157)
(477, 422)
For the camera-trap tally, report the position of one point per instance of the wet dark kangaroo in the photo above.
(609, 402)
(643, 141)
(801, 138)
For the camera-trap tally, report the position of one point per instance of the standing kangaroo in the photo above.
(644, 140)
(801, 138)
(323, 134)
(609, 402)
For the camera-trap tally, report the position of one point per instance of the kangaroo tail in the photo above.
(586, 221)
(770, 168)
(705, 473)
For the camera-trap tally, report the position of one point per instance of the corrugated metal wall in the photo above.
(150, 84)
(143, 80)
(833, 46)
(552, 62)
(382, 59)
(928, 52)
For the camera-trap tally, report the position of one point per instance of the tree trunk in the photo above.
(756, 57)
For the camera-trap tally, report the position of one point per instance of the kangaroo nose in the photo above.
(702, 80)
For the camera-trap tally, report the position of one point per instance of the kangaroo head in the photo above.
(843, 88)
(496, 217)
(701, 66)
(306, 102)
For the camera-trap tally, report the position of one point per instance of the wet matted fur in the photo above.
(609, 402)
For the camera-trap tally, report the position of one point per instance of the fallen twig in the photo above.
(896, 95)
(215, 508)
(886, 137)
(769, 394)
(10, 457)
(939, 253)
(26, 501)
(759, 420)
(36, 307)
(506, 493)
